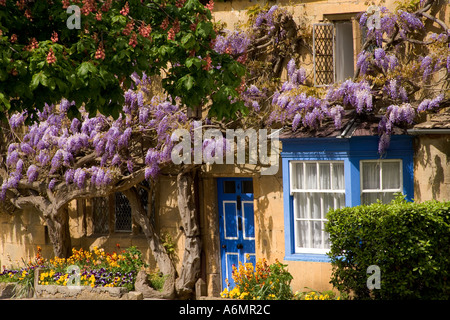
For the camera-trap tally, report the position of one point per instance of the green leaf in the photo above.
(38, 78)
(3, 75)
(85, 68)
(204, 29)
(188, 41)
(5, 102)
(187, 82)
(193, 61)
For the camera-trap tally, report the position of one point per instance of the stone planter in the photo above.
(8, 289)
(85, 293)
(82, 292)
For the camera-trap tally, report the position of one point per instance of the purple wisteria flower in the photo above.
(233, 42)
(17, 119)
(69, 176)
(430, 104)
(79, 177)
(32, 173)
(411, 22)
(52, 184)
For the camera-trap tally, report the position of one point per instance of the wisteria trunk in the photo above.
(58, 230)
(190, 271)
(159, 252)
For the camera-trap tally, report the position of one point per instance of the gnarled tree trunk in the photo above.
(190, 271)
(159, 252)
(58, 230)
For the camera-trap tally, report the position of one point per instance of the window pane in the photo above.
(368, 198)
(311, 176)
(340, 201)
(371, 175)
(344, 51)
(391, 175)
(298, 179)
(317, 234)
(229, 187)
(302, 234)
(338, 176)
(324, 176)
(328, 203)
(123, 212)
(326, 238)
(247, 186)
(100, 210)
(300, 206)
(314, 204)
(388, 197)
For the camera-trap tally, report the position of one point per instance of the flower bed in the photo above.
(260, 282)
(268, 282)
(95, 269)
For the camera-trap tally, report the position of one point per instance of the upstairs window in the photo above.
(333, 52)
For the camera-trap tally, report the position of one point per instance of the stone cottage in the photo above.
(277, 216)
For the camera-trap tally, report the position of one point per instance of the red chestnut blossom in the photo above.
(174, 30)
(180, 3)
(100, 53)
(54, 37)
(33, 45)
(171, 34)
(28, 15)
(13, 38)
(21, 4)
(88, 7)
(208, 60)
(133, 40)
(98, 16)
(65, 4)
(145, 30)
(125, 10)
(128, 28)
(106, 6)
(210, 5)
(165, 24)
(51, 57)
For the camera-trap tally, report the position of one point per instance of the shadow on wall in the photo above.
(432, 167)
(20, 234)
(269, 205)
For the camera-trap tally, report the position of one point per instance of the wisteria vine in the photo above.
(97, 151)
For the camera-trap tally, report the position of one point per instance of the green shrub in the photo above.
(409, 242)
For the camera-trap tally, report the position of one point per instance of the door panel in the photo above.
(236, 224)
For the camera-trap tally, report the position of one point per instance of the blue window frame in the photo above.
(359, 156)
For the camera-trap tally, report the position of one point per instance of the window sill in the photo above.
(312, 257)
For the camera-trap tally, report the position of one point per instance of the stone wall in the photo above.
(432, 167)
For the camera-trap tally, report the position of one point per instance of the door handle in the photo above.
(240, 246)
(224, 246)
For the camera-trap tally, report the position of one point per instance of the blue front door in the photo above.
(236, 223)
